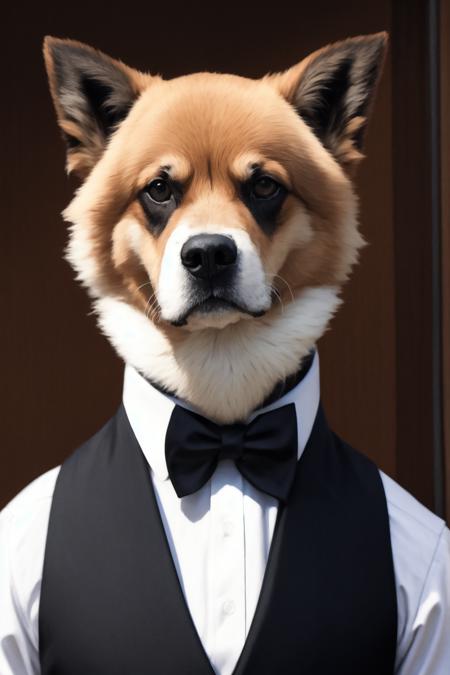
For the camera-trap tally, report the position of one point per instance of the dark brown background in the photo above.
(381, 373)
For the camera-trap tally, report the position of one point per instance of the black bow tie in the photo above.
(264, 451)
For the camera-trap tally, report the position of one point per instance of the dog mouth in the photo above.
(214, 303)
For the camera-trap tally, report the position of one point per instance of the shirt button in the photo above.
(229, 607)
(227, 528)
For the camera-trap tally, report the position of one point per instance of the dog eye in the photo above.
(264, 187)
(159, 190)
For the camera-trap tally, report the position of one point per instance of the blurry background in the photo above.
(385, 365)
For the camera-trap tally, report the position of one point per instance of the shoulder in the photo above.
(415, 530)
(38, 490)
(30, 506)
(24, 520)
(421, 554)
(23, 532)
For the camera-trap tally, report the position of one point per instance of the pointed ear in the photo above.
(92, 94)
(332, 89)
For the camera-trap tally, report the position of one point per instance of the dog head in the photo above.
(214, 207)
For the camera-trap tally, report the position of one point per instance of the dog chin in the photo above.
(214, 313)
(215, 319)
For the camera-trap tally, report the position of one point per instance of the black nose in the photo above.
(207, 255)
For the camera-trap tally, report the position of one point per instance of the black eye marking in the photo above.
(159, 199)
(264, 197)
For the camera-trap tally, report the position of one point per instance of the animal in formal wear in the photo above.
(217, 219)
(215, 524)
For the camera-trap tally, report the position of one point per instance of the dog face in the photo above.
(211, 199)
(216, 218)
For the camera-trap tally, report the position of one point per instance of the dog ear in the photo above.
(92, 94)
(332, 89)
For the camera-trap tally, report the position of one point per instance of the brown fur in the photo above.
(223, 136)
(209, 126)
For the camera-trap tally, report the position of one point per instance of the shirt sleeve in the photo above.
(428, 649)
(23, 532)
(18, 655)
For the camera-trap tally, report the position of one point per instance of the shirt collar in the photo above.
(149, 410)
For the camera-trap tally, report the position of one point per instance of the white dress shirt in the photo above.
(220, 538)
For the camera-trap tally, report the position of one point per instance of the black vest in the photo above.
(111, 602)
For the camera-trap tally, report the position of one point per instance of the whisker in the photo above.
(147, 283)
(151, 307)
(289, 287)
(151, 303)
(150, 300)
(278, 297)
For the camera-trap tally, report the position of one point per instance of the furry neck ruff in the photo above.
(225, 374)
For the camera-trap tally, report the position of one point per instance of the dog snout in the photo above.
(206, 256)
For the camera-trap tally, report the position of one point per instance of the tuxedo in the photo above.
(127, 584)
(328, 600)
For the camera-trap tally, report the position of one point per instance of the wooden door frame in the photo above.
(421, 373)
(445, 210)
